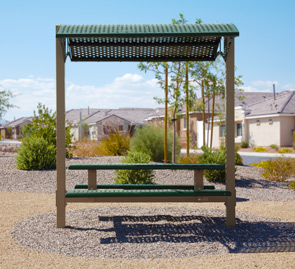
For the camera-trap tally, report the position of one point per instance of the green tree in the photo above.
(44, 126)
(5, 101)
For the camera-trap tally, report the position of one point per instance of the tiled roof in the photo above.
(284, 103)
(132, 115)
(255, 103)
(18, 122)
(73, 115)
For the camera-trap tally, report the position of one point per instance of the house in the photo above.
(261, 119)
(95, 124)
(13, 128)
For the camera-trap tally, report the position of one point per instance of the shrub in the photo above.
(261, 164)
(284, 150)
(117, 144)
(85, 148)
(192, 158)
(292, 185)
(260, 149)
(150, 140)
(274, 146)
(217, 156)
(278, 169)
(44, 126)
(36, 154)
(244, 144)
(135, 176)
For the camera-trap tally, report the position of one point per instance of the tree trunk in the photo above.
(212, 118)
(203, 116)
(187, 110)
(166, 114)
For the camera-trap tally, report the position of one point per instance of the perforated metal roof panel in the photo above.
(164, 42)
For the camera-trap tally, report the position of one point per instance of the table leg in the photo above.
(92, 180)
(198, 180)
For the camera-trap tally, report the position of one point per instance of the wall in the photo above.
(287, 126)
(194, 118)
(264, 134)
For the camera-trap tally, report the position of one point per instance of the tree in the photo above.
(160, 68)
(44, 126)
(4, 101)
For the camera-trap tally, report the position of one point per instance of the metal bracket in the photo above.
(225, 48)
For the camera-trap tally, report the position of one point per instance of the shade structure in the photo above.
(149, 43)
(164, 42)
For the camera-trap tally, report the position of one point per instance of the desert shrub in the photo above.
(260, 149)
(36, 154)
(218, 157)
(44, 126)
(135, 176)
(261, 164)
(85, 148)
(192, 158)
(210, 156)
(284, 150)
(274, 146)
(116, 144)
(278, 169)
(292, 184)
(244, 144)
(150, 140)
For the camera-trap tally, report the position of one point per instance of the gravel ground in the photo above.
(250, 186)
(147, 232)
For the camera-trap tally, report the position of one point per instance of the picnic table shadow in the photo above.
(246, 237)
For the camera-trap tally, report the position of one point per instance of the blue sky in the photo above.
(264, 49)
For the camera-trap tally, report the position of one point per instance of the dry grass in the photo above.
(116, 144)
(86, 148)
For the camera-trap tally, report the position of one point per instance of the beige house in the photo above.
(100, 122)
(261, 119)
(13, 128)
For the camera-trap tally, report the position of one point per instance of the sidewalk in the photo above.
(249, 157)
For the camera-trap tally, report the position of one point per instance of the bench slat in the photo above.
(145, 193)
(142, 186)
(147, 166)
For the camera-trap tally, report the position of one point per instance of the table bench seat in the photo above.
(147, 166)
(145, 193)
(142, 186)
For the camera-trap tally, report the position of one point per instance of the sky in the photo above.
(264, 51)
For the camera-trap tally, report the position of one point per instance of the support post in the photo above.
(60, 135)
(229, 137)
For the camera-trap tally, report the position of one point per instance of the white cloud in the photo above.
(289, 87)
(261, 86)
(130, 90)
(262, 83)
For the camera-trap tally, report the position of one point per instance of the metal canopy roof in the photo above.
(163, 42)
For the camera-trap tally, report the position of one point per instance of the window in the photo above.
(106, 129)
(239, 129)
(184, 122)
(121, 128)
(222, 130)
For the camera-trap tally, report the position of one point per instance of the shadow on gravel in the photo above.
(247, 237)
(256, 183)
